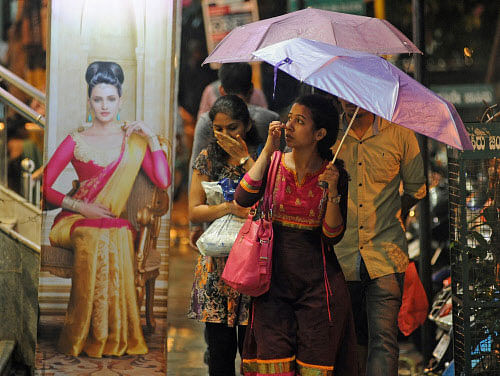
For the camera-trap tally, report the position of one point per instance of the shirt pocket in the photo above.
(385, 167)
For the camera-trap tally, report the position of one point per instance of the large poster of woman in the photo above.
(104, 257)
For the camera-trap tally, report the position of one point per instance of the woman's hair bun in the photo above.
(104, 72)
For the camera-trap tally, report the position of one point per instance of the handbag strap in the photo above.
(271, 181)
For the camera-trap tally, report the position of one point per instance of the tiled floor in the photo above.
(50, 362)
(185, 337)
(186, 344)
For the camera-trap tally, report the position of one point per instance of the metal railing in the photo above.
(17, 105)
(21, 108)
(30, 185)
(22, 85)
(30, 182)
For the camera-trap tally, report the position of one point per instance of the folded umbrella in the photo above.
(371, 83)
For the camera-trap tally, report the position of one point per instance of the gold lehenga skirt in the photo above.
(102, 316)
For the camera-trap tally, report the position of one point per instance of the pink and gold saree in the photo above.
(102, 316)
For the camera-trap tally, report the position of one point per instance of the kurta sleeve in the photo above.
(330, 235)
(155, 165)
(60, 159)
(250, 191)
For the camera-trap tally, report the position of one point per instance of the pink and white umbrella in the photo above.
(357, 33)
(372, 83)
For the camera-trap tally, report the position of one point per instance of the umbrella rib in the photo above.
(321, 67)
(259, 45)
(333, 34)
(394, 31)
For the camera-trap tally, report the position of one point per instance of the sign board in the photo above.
(344, 6)
(222, 16)
(484, 137)
(466, 95)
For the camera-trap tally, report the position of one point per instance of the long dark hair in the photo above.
(104, 72)
(234, 107)
(324, 115)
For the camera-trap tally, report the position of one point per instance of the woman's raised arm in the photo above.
(156, 166)
(256, 173)
(60, 159)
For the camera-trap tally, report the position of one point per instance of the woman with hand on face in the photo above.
(230, 154)
(303, 325)
(102, 316)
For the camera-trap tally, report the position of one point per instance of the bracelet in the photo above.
(335, 199)
(70, 203)
(154, 144)
(244, 160)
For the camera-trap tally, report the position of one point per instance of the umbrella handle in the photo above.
(345, 134)
(324, 184)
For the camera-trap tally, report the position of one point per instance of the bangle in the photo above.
(71, 204)
(154, 144)
(335, 199)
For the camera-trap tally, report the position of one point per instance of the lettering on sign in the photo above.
(477, 97)
(494, 142)
(478, 142)
(466, 95)
(452, 96)
(482, 139)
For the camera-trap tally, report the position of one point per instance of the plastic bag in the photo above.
(219, 237)
(415, 306)
(213, 191)
(228, 188)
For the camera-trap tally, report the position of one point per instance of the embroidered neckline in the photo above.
(85, 152)
(307, 174)
(280, 215)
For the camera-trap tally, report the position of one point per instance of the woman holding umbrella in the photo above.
(303, 325)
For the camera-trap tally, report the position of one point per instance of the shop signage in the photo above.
(466, 95)
(484, 137)
(344, 6)
(222, 16)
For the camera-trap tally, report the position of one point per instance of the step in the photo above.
(6, 350)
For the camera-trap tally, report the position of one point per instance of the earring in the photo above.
(89, 119)
(118, 116)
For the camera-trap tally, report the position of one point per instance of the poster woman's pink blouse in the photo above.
(154, 164)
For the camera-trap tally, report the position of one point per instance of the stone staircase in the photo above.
(6, 351)
(19, 274)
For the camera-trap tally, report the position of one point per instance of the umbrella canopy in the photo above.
(372, 83)
(357, 33)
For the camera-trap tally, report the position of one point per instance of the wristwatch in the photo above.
(244, 160)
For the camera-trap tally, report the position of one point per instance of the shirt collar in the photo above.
(376, 126)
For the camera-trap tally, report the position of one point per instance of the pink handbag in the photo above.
(248, 267)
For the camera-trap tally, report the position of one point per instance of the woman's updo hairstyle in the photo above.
(104, 72)
(324, 115)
